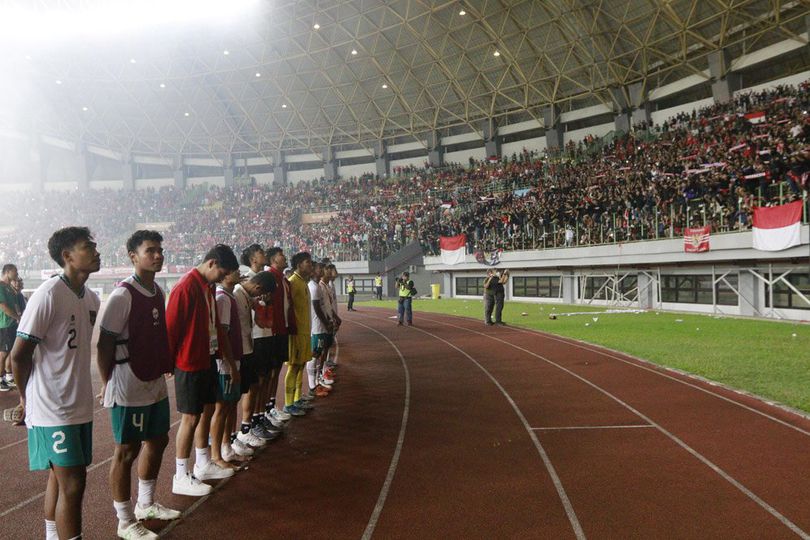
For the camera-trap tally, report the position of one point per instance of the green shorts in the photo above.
(135, 424)
(320, 343)
(63, 446)
(226, 389)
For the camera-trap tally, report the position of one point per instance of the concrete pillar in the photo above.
(640, 109)
(749, 287)
(329, 164)
(724, 81)
(553, 126)
(622, 108)
(492, 142)
(279, 169)
(569, 288)
(435, 149)
(447, 284)
(383, 164)
(179, 172)
(228, 171)
(87, 165)
(129, 172)
(646, 291)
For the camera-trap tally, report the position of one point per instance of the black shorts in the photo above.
(195, 389)
(261, 355)
(279, 351)
(247, 373)
(7, 337)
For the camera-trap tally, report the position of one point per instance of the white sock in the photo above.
(311, 373)
(124, 512)
(203, 457)
(50, 530)
(182, 467)
(146, 493)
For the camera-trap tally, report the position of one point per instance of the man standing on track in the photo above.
(51, 362)
(326, 375)
(191, 320)
(405, 299)
(378, 282)
(10, 313)
(283, 328)
(320, 328)
(133, 356)
(300, 343)
(350, 290)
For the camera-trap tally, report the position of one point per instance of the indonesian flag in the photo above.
(696, 239)
(755, 117)
(778, 227)
(453, 249)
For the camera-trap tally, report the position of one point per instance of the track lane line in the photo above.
(574, 428)
(566, 502)
(392, 467)
(700, 457)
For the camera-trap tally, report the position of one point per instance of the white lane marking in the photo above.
(392, 468)
(747, 492)
(565, 428)
(91, 468)
(15, 443)
(655, 368)
(566, 502)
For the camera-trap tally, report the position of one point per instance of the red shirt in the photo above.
(282, 289)
(188, 320)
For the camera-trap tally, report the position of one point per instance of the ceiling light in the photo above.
(496, 53)
(462, 12)
(385, 86)
(58, 81)
(226, 52)
(258, 74)
(354, 52)
(84, 108)
(316, 26)
(132, 61)
(28, 57)
(283, 105)
(162, 85)
(186, 114)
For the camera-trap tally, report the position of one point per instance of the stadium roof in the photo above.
(372, 69)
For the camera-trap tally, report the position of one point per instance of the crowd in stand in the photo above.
(710, 167)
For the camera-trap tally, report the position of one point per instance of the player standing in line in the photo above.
(300, 343)
(10, 313)
(51, 363)
(319, 330)
(133, 356)
(261, 427)
(330, 363)
(191, 320)
(283, 326)
(329, 303)
(229, 392)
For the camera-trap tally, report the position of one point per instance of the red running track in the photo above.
(454, 429)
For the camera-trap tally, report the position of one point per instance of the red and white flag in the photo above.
(756, 117)
(777, 227)
(453, 249)
(696, 239)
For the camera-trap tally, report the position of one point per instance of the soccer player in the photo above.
(300, 351)
(283, 326)
(51, 362)
(9, 318)
(228, 391)
(133, 356)
(320, 329)
(331, 363)
(194, 336)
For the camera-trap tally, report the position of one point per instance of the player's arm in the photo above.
(223, 314)
(22, 357)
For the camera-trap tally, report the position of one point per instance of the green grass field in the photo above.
(768, 358)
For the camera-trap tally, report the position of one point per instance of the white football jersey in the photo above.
(60, 322)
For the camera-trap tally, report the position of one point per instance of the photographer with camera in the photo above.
(494, 295)
(406, 293)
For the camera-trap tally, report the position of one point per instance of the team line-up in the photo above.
(224, 335)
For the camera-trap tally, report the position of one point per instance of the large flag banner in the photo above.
(756, 117)
(453, 248)
(777, 227)
(494, 257)
(696, 239)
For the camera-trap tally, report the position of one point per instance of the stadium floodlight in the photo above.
(39, 22)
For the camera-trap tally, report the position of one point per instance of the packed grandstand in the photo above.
(711, 167)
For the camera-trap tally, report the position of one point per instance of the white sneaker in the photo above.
(229, 454)
(325, 382)
(212, 471)
(188, 485)
(136, 530)
(273, 420)
(156, 511)
(241, 449)
(280, 415)
(250, 440)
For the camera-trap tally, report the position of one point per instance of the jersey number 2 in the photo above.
(72, 338)
(59, 438)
